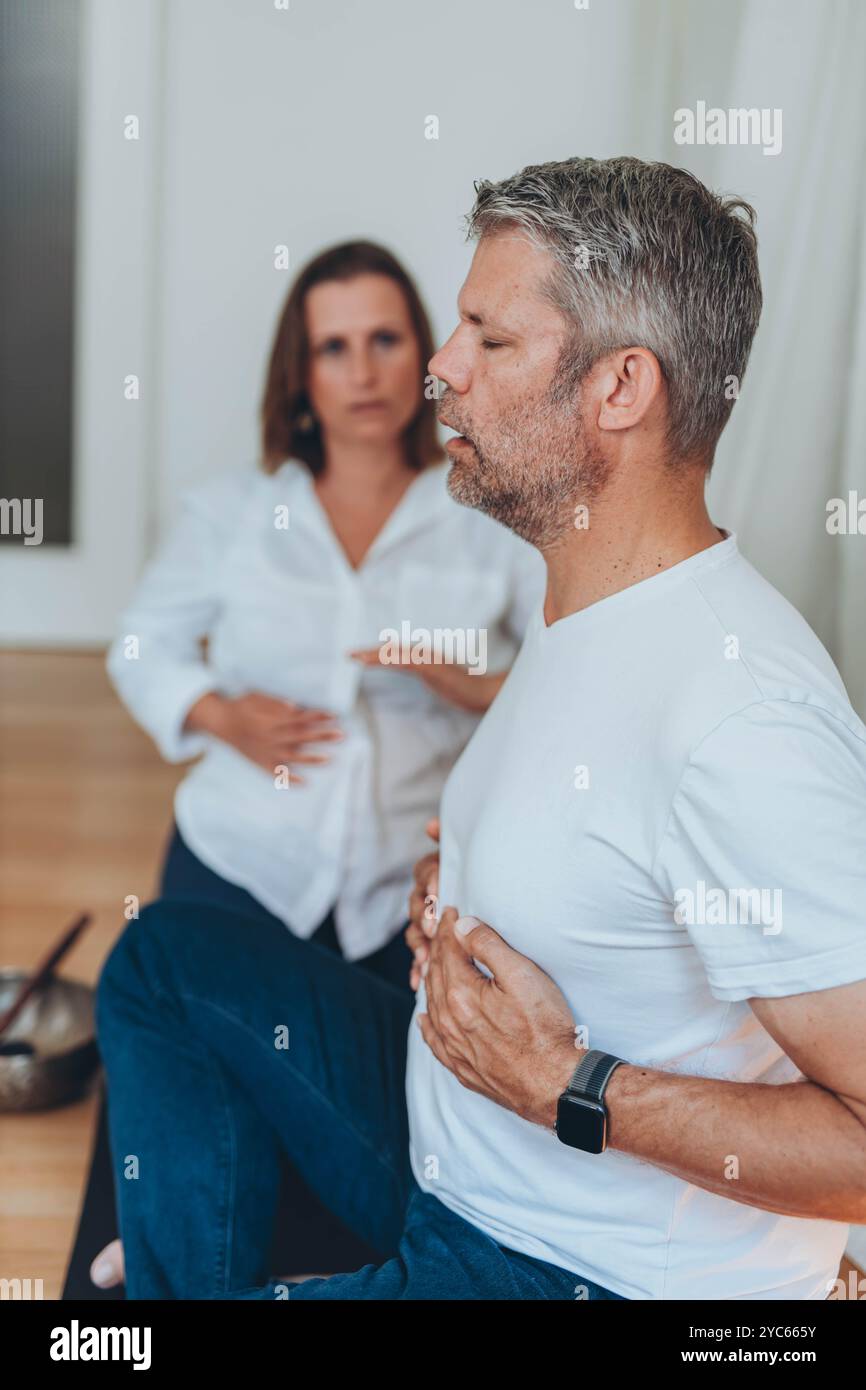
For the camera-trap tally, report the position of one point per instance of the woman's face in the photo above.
(364, 379)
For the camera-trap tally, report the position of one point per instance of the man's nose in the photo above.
(451, 365)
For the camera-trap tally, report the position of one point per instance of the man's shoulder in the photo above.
(799, 738)
(753, 675)
(768, 650)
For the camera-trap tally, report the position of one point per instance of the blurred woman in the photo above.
(321, 766)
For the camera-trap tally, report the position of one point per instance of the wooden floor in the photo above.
(85, 808)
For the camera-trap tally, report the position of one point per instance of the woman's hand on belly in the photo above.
(271, 733)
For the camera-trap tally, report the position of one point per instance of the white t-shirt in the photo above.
(648, 757)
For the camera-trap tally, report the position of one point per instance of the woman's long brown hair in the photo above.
(285, 398)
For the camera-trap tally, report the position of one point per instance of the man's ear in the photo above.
(630, 385)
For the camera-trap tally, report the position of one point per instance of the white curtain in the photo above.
(797, 436)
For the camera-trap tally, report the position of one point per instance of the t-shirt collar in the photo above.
(654, 586)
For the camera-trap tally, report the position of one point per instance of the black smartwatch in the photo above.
(581, 1115)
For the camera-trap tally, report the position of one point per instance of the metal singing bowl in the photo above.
(57, 1022)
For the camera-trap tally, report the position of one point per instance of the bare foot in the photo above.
(107, 1269)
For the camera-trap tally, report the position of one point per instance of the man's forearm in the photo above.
(794, 1148)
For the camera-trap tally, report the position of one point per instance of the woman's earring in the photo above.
(305, 422)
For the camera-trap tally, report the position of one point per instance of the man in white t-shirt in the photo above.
(637, 1059)
(662, 820)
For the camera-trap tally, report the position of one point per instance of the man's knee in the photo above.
(136, 962)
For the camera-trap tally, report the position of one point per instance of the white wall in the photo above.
(307, 128)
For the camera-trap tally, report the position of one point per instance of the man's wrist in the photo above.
(563, 1060)
(617, 1090)
(616, 1087)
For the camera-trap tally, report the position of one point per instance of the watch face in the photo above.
(582, 1124)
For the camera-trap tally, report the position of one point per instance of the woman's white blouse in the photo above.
(253, 565)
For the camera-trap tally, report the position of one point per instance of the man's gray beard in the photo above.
(535, 498)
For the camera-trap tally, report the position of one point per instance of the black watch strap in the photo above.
(592, 1074)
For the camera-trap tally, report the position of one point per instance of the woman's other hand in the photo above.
(272, 733)
(456, 684)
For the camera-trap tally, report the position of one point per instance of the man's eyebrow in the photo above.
(481, 322)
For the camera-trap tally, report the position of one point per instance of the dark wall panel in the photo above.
(39, 101)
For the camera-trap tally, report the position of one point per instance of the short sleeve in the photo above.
(763, 857)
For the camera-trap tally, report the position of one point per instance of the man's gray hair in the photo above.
(647, 256)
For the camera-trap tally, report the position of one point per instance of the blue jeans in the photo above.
(227, 1040)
